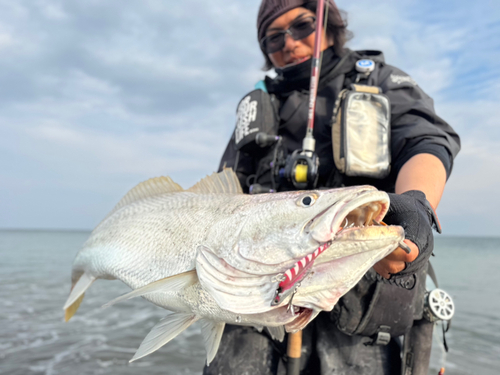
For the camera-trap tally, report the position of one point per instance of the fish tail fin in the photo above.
(71, 310)
(167, 329)
(76, 295)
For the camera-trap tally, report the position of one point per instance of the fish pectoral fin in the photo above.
(277, 333)
(212, 334)
(168, 284)
(166, 329)
(76, 295)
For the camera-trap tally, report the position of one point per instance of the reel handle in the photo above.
(265, 140)
(259, 189)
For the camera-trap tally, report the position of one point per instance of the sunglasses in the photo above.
(298, 30)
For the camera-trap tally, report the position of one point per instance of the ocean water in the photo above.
(35, 271)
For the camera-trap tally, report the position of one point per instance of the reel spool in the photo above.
(438, 306)
(301, 169)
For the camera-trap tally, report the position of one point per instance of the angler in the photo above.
(370, 124)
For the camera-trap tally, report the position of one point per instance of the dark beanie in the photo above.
(272, 9)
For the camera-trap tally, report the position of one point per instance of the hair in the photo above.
(336, 30)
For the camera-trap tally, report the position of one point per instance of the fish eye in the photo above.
(307, 200)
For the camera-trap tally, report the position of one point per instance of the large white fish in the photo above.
(214, 254)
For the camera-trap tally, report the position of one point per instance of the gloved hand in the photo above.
(413, 212)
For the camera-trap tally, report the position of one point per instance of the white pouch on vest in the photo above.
(361, 132)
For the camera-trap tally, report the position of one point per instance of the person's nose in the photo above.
(289, 42)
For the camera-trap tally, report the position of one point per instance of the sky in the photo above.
(96, 97)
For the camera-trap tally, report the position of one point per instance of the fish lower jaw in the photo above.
(369, 233)
(290, 280)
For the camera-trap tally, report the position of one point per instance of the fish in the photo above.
(215, 255)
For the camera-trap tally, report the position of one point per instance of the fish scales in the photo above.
(156, 227)
(211, 253)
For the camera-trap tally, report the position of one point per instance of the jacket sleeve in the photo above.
(415, 127)
(240, 162)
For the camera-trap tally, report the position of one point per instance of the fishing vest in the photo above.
(286, 116)
(374, 307)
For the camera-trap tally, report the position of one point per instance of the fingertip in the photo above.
(414, 251)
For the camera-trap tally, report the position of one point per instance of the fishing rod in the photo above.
(306, 163)
(309, 143)
(302, 167)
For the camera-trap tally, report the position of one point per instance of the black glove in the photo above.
(413, 212)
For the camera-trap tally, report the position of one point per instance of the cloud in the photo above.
(471, 197)
(449, 52)
(97, 96)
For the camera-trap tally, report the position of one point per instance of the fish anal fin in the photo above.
(212, 334)
(223, 182)
(168, 284)
(167, 329)
(277, 333)
(76, 295)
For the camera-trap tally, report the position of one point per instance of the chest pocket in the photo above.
(361, 132)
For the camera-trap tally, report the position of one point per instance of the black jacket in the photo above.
(372, 306)
(415, 127)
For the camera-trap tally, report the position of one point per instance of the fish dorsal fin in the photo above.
(225, 182)
(150, 188)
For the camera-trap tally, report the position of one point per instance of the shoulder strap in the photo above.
(335, 71)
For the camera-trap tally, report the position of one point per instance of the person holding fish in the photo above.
(326, 256)
(373, 125)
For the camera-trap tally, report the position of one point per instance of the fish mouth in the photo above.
(355, 220)
(363, 209)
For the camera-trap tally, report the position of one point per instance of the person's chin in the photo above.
(296, 61)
